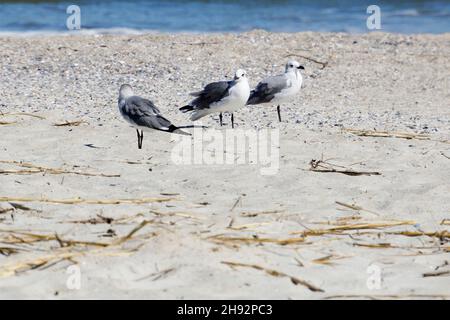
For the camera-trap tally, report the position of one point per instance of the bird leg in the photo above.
(220, 117)
(232, 121)
(279, 114)
(140, 137)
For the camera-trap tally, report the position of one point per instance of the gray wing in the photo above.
(213, 92)
(266, 90)
(144, 113)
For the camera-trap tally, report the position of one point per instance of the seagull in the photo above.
(278, 89)
(220, 97)
(144, 115)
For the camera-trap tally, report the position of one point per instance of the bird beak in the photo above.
(301, 68)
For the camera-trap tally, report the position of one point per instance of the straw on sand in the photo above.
(31, 169)
(86, 201)
(275, 273)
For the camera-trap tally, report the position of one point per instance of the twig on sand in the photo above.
(324, 167)
(87, 201)
(32, 169)
(275, 273)
(446, 156)
(3, 123)
(323, 64)
(69, 123)
(436, 273)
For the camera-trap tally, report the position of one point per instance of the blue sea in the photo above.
(138, 16)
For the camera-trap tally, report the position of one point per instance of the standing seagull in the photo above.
(143, 114)
(220, 97)
(278, 89)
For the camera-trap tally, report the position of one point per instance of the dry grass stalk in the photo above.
(275, 273)
(324, 167)
(14, 268)
(87, 201)
(70, 123)
(39, 169)
(249, 226)
(348, 227)
(7, 251)
(355, 207)
(255, 214)
(386, 134)
(16, 237)
(327, 259)
(248, 240)
(66, 251)
(374, 245)
(176, 214)
(441, 235)
(132, 232)
(23, 114)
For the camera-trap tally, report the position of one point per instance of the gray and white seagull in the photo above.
(278, 89)
(142, 114)
(222, 96)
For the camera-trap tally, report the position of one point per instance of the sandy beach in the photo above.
(358, 208)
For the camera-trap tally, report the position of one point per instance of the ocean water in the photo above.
(138, 16)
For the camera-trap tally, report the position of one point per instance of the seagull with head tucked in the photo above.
(142, 114)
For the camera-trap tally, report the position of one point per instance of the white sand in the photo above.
(381, 82)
